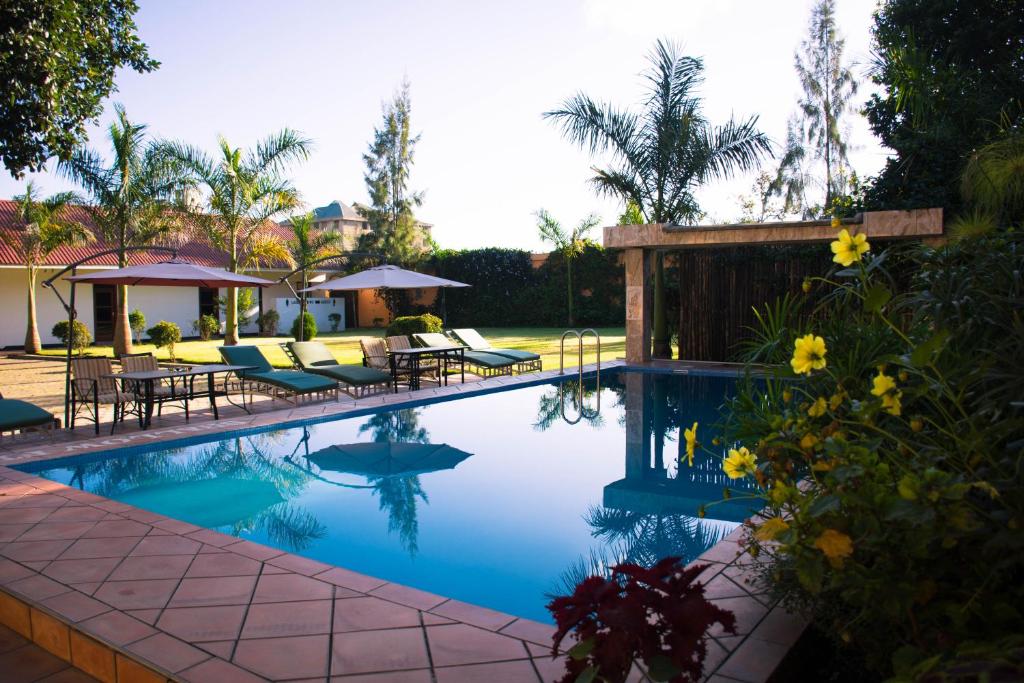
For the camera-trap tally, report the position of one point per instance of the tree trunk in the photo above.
(32, 342)
(568, 278)
(231, 318)
(122, 330)
(662, 343)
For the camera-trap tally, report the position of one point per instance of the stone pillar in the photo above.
(639, 305)
(638, 433)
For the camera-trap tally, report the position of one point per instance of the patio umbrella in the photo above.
(388, 277)
(376, 460)
(173, 273)
(206, 502)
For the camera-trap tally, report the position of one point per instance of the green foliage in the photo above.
(949, 72)
(268, 321)
(82, 336)
(309, 330)
(137, 323)
(414, 324)
(165, 335)
(335, 319)
(206, 327)
(891, 475)
(57, 64)
(569, 244)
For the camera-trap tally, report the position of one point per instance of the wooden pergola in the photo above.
(641, 242)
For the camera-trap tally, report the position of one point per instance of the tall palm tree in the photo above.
(130, 200)
(309, 244)
(662, 154)
(243, 190)
(569, 244)
(46, 229)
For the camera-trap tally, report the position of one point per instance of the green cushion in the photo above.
(475, 341)
(293, 380)
(311, 354)
(356, 375)
(15, 414)
(246, 355)
(515, 354)
(433, 339)
(487, 360)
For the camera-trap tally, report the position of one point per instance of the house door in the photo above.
(104, 303)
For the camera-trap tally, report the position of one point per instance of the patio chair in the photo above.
(316, 358)
(526, 361)
(375, 355)
(167, 391)
(22, 416)
(92, 385)
(428, 367)
(478, 362)
(275, 383)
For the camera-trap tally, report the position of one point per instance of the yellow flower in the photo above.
(808, 442)
(739, 463)
(818, 408)
(891, 403)
(770, 529)
(848, 248)
(808, 354)
(916, 425)
(836, 400)
(691, 442)
(787, 395)
(836, 222)
(806, 285)
(836, 545)
(884, 387)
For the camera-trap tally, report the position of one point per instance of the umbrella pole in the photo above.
(67, 368)
(302, 309)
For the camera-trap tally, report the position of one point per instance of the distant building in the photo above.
(346, 220)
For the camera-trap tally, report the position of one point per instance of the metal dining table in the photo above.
(144, 387)
(413, 358)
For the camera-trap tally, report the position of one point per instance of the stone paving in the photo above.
(192, 604)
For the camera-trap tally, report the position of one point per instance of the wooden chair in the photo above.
(173, 390)
(92, 386)
(428, 367)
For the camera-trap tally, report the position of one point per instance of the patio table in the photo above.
(147, 379)
(414, 356)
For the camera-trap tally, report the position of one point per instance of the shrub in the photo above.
(165, 335)
(335, 319)
(82, 337)
(137, 323)
(206, 327)
(414, 324)
(268, 321)
(890, 465)
(309, 330)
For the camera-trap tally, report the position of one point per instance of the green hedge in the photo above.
(413, 324)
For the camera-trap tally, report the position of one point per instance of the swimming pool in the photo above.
(499, 499)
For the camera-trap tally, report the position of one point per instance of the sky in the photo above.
(482, 73)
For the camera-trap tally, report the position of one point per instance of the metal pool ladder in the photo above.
(584, 412)
(579, 334)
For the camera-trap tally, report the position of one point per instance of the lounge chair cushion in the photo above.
(15, 414)
(356, 375)
(246, 355)
(475, 341)
(484, 359)
(311, 354)
(293, 380)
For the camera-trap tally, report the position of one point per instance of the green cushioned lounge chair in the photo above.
(478, 362)
(314, 357)
(525, 360)
(286, 384)
(22, 416)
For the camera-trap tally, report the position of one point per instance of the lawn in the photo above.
(345, 345)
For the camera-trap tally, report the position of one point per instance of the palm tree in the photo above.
(130, 200)
(243, 191)
(570, 245)
(663, 154)
(308, 244)
(45, 230)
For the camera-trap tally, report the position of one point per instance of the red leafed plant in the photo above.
(658, 615)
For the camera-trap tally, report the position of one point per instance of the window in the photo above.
(208, 302)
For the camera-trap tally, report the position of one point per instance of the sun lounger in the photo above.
(525, 360)
(480, 363)
(275, 383)
(22, 416)
(314, 357)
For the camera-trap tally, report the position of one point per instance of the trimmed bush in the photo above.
(335, 319)
(165, 335)
(309, 330)
(82, 338)
(268, 322)
(206, 327)
(137, 323)
(414, 324)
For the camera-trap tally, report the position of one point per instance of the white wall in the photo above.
(288, 309)
(14, 305)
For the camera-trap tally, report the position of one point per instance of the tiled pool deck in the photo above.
(128, 595)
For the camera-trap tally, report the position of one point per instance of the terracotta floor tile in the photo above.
(40, 500)
(37, 587)
(52, 531)
(10, 639)
(81, 571)
(93, 657)
(285, 587)
(99, 547)
(52, 634)
(406, 595)
(196, 624)
(723, 587)
(75, 606)
(29, 663)
(218, 671)
(222, 564)
(218, 648)
(218, 590)
(117, 628)
(431, 619)
(754, 660)
(149, 594)
(9, 532)
(461, 644)
(254, 550)
(211, 537)
(748, 613)
(112, 529)
(533, 631)
(498, 672)
(474, 615)
(550, 669)
(371, 651)
(278, 619)
(299, 565)
(12, 571)
(34, 550)
(26, 515)
(284, 658)
(167, 652)
(69, 675)
(780, 626)
(147, 615)
(363, 614)
(151, 567)
(414, 676)
(77, 514)
(176, 526)
(166, 545)
(349, 579)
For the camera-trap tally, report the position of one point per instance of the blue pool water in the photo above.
(499, 499)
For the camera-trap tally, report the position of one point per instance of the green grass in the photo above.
(345, 346)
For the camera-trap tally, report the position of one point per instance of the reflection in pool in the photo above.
(499, 499)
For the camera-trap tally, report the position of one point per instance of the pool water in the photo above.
(501, 499)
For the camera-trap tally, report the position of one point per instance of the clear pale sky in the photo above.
(482, 73)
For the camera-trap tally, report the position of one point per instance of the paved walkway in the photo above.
(22, 661)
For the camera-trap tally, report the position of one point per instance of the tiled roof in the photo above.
(197, 251)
